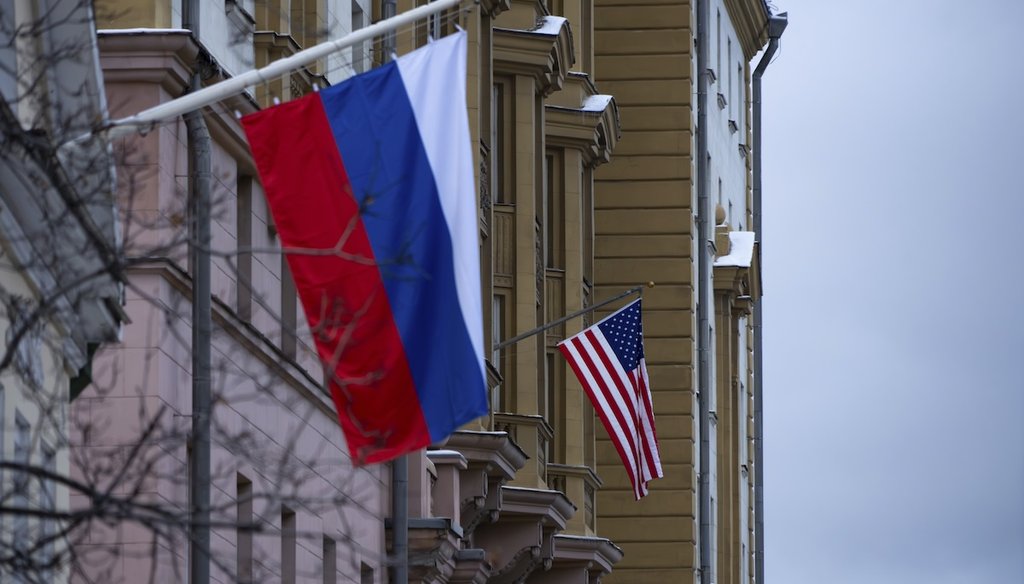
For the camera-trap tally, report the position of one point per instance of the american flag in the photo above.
(608, 359)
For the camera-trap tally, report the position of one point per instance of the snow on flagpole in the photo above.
(235, 85)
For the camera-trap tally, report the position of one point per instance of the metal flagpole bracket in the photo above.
(634, 290)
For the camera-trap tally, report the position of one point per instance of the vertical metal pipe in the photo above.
(400, 466)
(388, 10)
(400, 519)
(200, 166)
(703, 297)
(776, 26)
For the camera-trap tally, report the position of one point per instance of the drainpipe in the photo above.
(776, 26)
(400, 520)
(704, 332)
(388, 9)
(399, 466)
(200, 166)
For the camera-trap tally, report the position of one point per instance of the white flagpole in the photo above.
(235, 85)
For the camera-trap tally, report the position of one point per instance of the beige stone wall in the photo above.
(645, 231)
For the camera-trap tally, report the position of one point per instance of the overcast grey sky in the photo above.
(893, 280)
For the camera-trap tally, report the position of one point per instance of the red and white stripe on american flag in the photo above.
(609, 362)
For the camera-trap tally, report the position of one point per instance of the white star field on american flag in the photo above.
(624, 332)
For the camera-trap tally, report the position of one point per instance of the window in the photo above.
(744, 564)
(552, 412)
(743, 418)
(502, 147)
(8, 60)
(714, 538)
(498, 332)
(243, 226)
(497, 99)
(243, 529)
(48, 502)
(289, 306)
(589, 446)
(2, 446)
(330, 561)
(729, 60)
(588, 227)
(547, 398)
(555, 185)
(287, 546)
(718, 42)
(365, 574)
(741, 111)
(22, 444)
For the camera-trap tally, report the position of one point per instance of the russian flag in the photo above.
(370, 184)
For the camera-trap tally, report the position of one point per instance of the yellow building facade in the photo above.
(648, 228)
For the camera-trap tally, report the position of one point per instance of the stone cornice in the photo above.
(492, 459)
(541, 53)
(495, 450)
(552, 508)
(584, 472)
(750, 19)
(167, 58)
(592, 130)
(522, 541)
(741, 282)
(595, 553)
(448, 457)
(541, 426)
(433, 544)
(164, 57)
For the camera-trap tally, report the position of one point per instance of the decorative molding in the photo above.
(471, 567)
(523, 540)
(546, 57)
(493, 8)
(165, 58)
(750, 20)
(594, 131)
(581, 559)
(492, 459)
